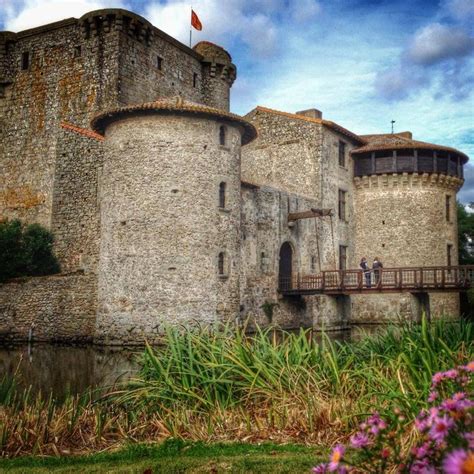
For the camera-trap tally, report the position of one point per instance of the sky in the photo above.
(363, 63)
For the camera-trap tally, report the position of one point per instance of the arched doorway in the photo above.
(285, 266)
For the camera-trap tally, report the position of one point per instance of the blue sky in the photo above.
(363, 63)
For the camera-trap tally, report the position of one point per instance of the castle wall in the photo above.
(402, 220)
(141, 80)
(162, 229)
(75, 210)
(57, 85)
(54, 308)
(264, 229)
(286, 154)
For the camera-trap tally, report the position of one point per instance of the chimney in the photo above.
(405, 135)
(312, 113)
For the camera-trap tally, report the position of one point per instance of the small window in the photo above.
(78, 51)
(195, 79)
(342, 257)
(221, 264)
(313, 264)
(2, 91)
(342, 204)
(449, 254)
(222, 135)
(448, 208)
(222, 188)
(342, 154)
(159, 62)
(25, 60)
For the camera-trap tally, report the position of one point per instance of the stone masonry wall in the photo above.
(286, 154)
(54, 308)
(60, 83)
(402, 220)
(75, 217)
(162, 229)
(264, 229)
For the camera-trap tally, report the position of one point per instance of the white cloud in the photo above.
(21, 15)
(304, 10)
(460, 9)
(435, 43)
(222, 22)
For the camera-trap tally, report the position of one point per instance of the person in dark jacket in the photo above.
(376, 266)
(365, 266)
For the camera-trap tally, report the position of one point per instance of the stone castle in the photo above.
(168, 209)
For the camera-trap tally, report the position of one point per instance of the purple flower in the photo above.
(459, 461)
(469, 437)
(433, 396)
(469, 367)
(320, 469)
(336, 457)
(440, 428)
(422, 467)
(360, 440)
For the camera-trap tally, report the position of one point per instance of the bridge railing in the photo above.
(390, 279)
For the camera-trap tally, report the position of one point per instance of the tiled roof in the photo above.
(398, 141)
(82, 131)
(175, 104)
(332, 125)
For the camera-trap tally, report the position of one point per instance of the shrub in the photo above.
(26, 250)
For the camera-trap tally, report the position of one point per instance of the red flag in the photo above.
(195, 22)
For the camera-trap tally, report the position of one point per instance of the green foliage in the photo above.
(206, 371)
(26, 251)
(465, 232)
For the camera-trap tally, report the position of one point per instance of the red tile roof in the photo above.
(389, 141)
(82, 131)
(175, 104)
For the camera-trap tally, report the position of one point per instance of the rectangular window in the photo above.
(342, 154)
(342, 257)
(159, 62)
(77, 51)
(25, 61)
(313, 264)
(195, 78)
(448, 208)
(450, 254)
(342, 204)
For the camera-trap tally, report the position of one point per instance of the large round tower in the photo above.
(218, 74)
(405, 214)
(170, 218)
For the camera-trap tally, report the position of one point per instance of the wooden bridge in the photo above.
(384, 280)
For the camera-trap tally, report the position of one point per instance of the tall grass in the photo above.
(222, 386)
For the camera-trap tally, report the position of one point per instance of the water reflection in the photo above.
(63, 369)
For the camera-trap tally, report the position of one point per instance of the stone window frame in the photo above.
(343, 248)
(223, 135)
(342, 204)
(222, 195)
(342, 154)
(449, 254)
(25, 61)
(159, 62)
(195, 79)
(77, 51)
(223, 265)
(448, 208)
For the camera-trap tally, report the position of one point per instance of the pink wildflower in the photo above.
(459, 461)
(469, 367)
(320, 469)
(359, 440)
(336, 457)
(470, 439)
(440, 428)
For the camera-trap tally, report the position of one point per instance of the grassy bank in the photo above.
(223, 386)
(175, 456)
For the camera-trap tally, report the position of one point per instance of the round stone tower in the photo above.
(405, 214)
(218, 74)
(170, 218)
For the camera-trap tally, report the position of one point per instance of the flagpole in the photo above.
(191, 28)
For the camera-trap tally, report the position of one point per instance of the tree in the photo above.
(465, 234)
(26, 250)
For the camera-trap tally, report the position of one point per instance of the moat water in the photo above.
(65, 369)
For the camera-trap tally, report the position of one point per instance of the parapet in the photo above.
(219, 60)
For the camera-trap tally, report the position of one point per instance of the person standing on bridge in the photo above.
(376, 266)
(365, 266)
